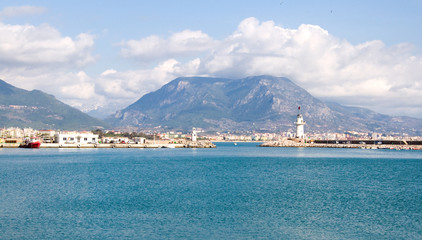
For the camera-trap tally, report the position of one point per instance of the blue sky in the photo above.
(104, 55)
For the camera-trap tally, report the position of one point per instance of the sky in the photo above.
(101, 56)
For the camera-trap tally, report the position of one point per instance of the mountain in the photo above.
(36, 109)
(253, 103)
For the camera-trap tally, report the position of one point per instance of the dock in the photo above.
(346, 144)
(202, 144)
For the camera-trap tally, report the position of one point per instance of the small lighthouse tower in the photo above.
(300, 132)
(194, 135)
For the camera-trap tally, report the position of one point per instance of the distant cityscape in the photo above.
(18, 134)
(224, 117)
(15, 135)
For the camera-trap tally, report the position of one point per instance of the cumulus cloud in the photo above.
(181, 44)
(16, 11)
(75, 88)
(35, 46)
(39, 57)
(369, 74)
(130, 85)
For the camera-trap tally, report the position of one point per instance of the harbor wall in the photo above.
(118, 145)
(336, 144)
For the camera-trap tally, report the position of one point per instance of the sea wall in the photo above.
(290, 143)
(201, 144)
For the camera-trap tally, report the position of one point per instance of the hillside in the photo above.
(253, 103)
(36, 109)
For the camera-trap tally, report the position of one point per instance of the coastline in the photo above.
(208, 144)
(290, 143)
(118, 145)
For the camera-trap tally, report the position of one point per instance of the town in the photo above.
(17, 137)
(14, 137)
(199, 138)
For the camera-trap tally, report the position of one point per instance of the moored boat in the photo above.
(31, 143)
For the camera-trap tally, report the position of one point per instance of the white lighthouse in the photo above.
(300, 132)
(194, 135)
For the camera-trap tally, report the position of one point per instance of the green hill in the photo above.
(36, 109)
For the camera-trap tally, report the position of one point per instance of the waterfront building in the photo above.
(75, 138)
(139, 140)
(47, 136)
(13, 132)
(115, 140)
(376, 135)
(29, 132)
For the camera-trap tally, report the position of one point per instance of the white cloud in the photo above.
(185, 43)
(16, 11)
(75, 88)
(80, 87)
(36, 46)
(39, 57)
(130, 85)
(370, 74)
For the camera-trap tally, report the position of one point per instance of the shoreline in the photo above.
(339, 145)
(285, 143)
(117, 145)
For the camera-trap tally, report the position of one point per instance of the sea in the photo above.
(231, 192)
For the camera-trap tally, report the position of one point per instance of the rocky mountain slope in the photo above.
(36, 109)
(264, 103)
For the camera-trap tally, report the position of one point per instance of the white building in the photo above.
(139, 140)
(300, 132)
(75, 138)
(13, 133)
(47, 136)
(115, 140)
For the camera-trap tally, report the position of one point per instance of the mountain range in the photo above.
(258, 103)
(36, 109)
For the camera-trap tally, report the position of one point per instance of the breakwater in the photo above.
(202, 144)
(343, 144)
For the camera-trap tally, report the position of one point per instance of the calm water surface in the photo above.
(232, 192)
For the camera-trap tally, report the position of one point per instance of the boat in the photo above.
(168, 146)
(235, 144)
(31, 143)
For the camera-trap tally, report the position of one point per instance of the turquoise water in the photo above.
(231, 192)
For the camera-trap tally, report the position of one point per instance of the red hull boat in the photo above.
(31, 143)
